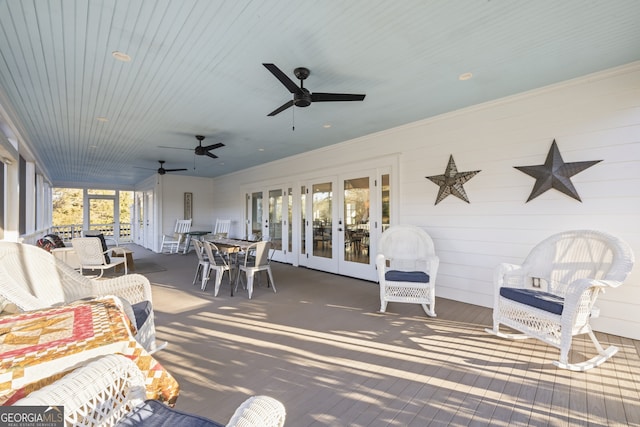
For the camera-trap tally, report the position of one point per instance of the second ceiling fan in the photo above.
(200, 150)
(162, 170)
(301, 95)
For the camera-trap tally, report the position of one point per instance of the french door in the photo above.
(342, 219)
(269, 214)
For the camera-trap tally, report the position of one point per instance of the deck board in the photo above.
(320, 346)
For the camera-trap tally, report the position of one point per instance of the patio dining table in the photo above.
(231, 248)
(38, 347)
(189, 236)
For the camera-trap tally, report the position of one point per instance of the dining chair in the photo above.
(256, 259)
(93, 256)
(217, 264)
(202, 270)
(172, 241)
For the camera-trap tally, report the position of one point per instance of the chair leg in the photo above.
(273, 284)
(428, 308)
(603, 355)
(197, 271)
(237, 280)
(218, 282)
(250, 282)
(206, 272)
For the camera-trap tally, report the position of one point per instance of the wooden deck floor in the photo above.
(321, 347)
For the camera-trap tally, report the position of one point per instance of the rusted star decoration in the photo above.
(451, 182)
(555, 173)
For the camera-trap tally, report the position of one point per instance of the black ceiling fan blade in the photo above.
(213, 146)
(328, 97)
(175, 148)
(284, 79)
(281, 108)
(175, 170)
(213, 156)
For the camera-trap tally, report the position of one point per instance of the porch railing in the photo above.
(69, 231)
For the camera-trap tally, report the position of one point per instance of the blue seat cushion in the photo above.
(153, 413)
(141, 311)
(407, 276)
(538, 299)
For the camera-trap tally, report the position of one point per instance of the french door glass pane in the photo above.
(275, 218)
(256, 216)
(356, 217)
(322, 231)
(289, 219)
(386, 220)
(303, 216)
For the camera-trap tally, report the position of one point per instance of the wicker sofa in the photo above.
(32, 278)
(109, 391)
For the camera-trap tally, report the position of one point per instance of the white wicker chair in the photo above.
(110, 391)
(32, 278)
(551, 296)
(407, 267)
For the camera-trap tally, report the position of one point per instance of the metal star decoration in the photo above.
(555, 173)
(451, 182)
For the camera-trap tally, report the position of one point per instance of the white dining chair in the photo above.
(217, 265)
(256, 259)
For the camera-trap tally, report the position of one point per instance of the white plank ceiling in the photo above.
(196, 68)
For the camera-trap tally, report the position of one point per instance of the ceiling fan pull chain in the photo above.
(293, 119)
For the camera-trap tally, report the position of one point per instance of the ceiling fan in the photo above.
(301, 95)
(200, 150)
(162, 170)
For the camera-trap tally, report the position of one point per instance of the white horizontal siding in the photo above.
(593, 118)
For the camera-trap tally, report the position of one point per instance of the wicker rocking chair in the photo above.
(551, 296)
(407, 268)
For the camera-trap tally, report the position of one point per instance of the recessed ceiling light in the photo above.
(465, 76)
(121, 56)
(260, 149)
(326, 126)
(93, 147)
(102, 119)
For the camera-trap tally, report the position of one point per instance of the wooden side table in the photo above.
(129, 254)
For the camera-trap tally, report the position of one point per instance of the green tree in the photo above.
(67, 206)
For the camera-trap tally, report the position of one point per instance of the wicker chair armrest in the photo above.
(13, 293)
(259, 411)
(132, 287)
(579, 300)
(511, 275)
(98, 393)
(433, 262)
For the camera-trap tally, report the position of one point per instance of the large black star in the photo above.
(555, 173)
(451, 182)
